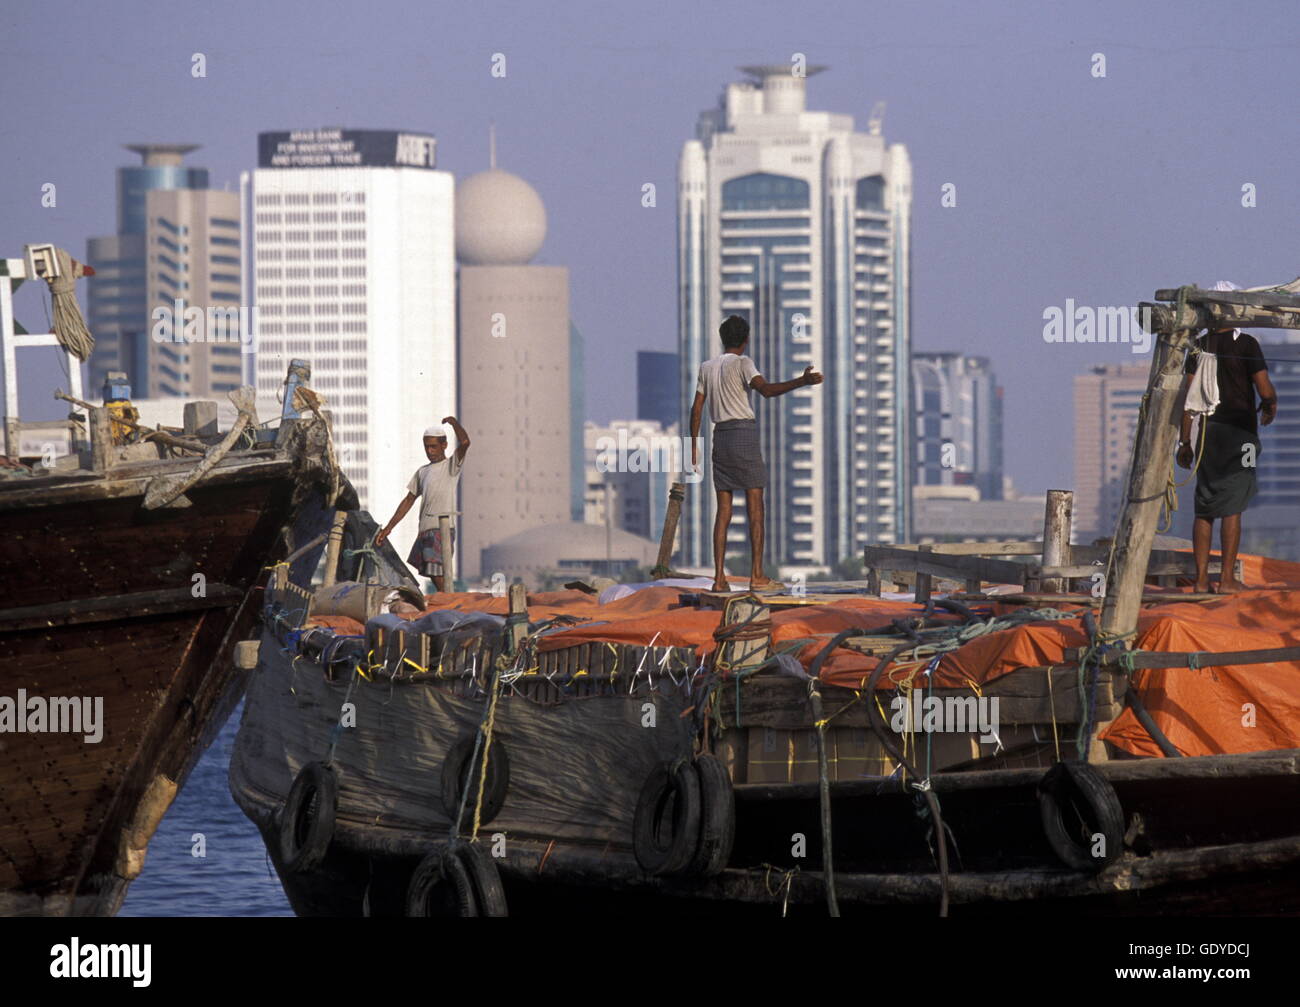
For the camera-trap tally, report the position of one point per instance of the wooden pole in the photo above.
(1057, 521)
(924, 582)
(101, 439)
(1157, 431)
(518, 623)
(332, 549)
(675, 496)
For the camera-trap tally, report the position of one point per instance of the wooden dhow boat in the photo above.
(1007, 744)
(129, 569)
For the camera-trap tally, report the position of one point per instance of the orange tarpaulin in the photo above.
(1202, 712)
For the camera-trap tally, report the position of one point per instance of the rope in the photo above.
(1051, 696)
(367, 552)
(487, 748)
(67, 324)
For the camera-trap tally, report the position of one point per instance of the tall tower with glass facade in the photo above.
(177, 241)
(799, 223)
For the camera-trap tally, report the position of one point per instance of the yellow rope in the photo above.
(487, 747)
(1051, 698)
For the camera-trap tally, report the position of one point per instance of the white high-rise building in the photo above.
(799, 223)
(353, 270)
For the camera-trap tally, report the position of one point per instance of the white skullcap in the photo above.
(436, 431)
(1229, 285)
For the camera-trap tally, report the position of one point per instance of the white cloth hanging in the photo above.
(1203, 395)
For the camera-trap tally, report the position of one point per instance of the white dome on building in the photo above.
(500, 220)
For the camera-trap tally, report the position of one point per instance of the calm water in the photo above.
(235, 878)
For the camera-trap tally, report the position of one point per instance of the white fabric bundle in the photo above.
(1203, 395)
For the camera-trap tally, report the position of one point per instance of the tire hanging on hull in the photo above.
(307, 819)
(717, 819)
(666, 827)
(1078, 807)
(457, 881)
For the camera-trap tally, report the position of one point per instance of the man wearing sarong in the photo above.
(436, 483)
(725, 383)
(1225, 475)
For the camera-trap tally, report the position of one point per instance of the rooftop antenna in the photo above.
(876, 121)
(492, 145)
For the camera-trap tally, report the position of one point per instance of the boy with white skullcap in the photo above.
(436, 483)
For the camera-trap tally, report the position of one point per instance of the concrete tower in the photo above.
(514, 350)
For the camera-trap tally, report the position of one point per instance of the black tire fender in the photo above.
(456, 881)
(440, 886)
(457, 771)
(485, 879)
(1077, 804)
(666, 826)
(307, 819)
(717, 818)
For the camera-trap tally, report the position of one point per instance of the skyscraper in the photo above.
(353, 269)
(958, 408)
(1106, 404)
(177, 244)
(514, 348)
(799, 223)
(657, 391)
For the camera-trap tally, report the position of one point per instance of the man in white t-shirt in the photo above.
(725, 383)
(436, 483)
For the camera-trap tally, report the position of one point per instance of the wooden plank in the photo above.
(1179, 569)
(1027, 598)
(949, 567)
(1024, 697)
(1157, 659)
(139, 605)
(1255, 299)
(1223, 315)
(977, 548)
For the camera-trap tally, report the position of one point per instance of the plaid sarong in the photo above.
(737, 460)
(426, 552)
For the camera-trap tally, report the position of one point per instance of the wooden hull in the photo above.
(104, 600)
(1207, 835)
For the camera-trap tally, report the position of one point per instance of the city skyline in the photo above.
(1064, 181)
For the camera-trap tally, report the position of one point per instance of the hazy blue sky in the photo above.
(1068, 186)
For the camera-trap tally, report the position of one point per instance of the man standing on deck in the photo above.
(437, 483)
(1225, 475)
(725, 383)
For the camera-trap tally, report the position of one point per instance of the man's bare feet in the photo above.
(760, 582)
(1231, 586)
(721, 585)
(1201, 587)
